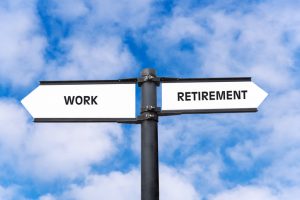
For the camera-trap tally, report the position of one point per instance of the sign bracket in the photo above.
(86, 120)
(147, 116)
(148, 78)
(150, 108)
(226, 79)
(206, 111)
(89, 82)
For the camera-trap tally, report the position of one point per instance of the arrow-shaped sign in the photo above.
(211, 95)
(82, 101)
(114, 101)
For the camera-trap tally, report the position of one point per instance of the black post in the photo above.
(149, 141)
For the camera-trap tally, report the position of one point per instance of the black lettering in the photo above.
(244, 93)
(212, 95)
(236, 94)
(204, 95)
(94, 100)
(194, 95)
(220, 95)
(86, 100)
(187, 96)
(69, 100)
(78, 100)
(229, 95)
(180, 96)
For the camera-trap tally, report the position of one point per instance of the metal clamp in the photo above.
(146, 78)
(150, 108)
(147, 116)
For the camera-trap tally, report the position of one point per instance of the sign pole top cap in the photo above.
(148, 71)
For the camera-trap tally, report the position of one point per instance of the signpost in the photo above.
(213, 95)
(114, 101)
(81, 101)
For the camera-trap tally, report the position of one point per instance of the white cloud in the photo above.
(13, 129)
(257, 192)
(277, 147)
(181, 27)
(291, 193)
(123, 186)
(47, 197)
(10, 193)
(205, 172)
(94, 48)
(103, 58)
(279, 132)
(184, 133)
(69, 150)
(115, 185)
(22, 45)
(179, 133)
(174, 42)
(90, 52)
(284, 171)
(244, 154)
(246, 193)
(69, 9)
(174, 185)
(136, 12)
(6, 193)
(254, 43)
(281, 114)
(60, 150)
(104, 13)
(179, 144)
(259, 41)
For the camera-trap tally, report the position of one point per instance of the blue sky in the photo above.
(202, 157)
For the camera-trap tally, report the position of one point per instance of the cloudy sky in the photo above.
(202, 157)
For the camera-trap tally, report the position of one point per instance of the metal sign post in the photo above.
(149, 141)
(114, 101)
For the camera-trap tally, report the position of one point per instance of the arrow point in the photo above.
(28, 102)
(24, 102)
(261, 94)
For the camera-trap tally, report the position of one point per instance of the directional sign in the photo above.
(80, 101)
(114, 101)
(211, 95)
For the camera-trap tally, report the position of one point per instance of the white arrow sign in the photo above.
(211, 96)
(65, 101)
